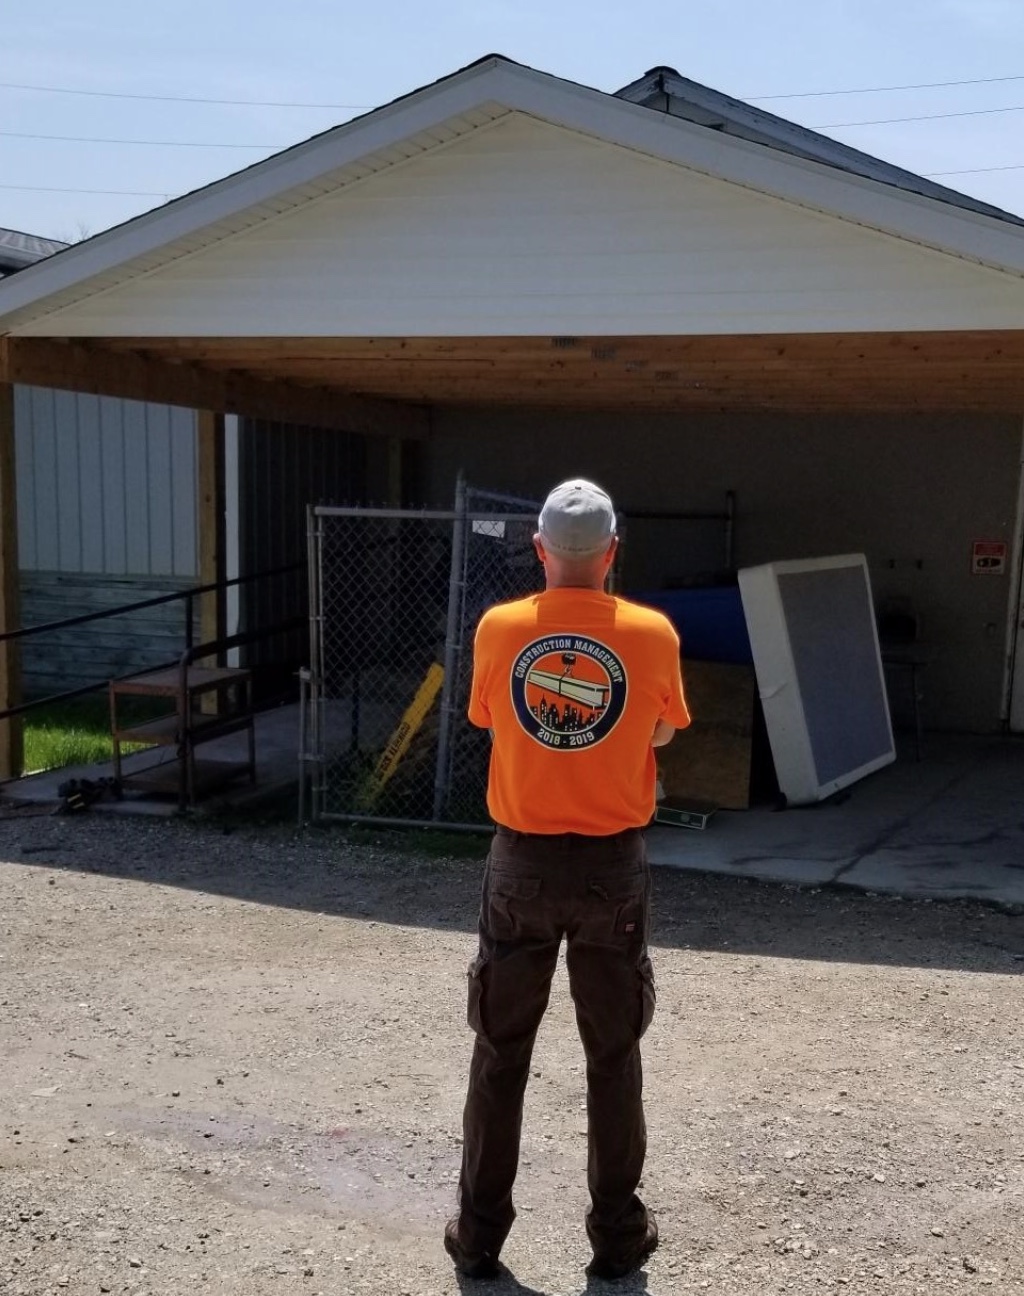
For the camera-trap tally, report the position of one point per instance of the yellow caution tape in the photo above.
(407, 728)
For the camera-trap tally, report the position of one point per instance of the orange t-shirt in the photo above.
(573, 683)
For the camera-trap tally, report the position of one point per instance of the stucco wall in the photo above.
(910, 493)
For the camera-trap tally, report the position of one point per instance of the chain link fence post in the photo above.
(394, 600)
(453, 624)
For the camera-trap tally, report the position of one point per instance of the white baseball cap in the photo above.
(577, 520)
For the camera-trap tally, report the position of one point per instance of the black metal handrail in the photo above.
(194, 591)
(188, 595)
(194, 653)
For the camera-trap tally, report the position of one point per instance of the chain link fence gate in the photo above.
(395, 596)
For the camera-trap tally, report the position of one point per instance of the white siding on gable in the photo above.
(522, 227)
(104, 486)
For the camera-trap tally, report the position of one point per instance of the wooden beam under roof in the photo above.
(935, 345)
(836, 371)
(100, 370)
(373, 383)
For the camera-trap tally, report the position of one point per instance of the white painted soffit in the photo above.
(479, 94)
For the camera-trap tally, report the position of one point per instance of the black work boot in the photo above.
(613, 1267)
(472, 1264)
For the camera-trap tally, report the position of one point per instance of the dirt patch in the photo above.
(235, 1062)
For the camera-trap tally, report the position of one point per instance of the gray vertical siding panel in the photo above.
(69, 505)
(114, 522)
(91, 485)
(157, 487)
(184, 487)
(105, 486)
(136, 489)
(44, 489)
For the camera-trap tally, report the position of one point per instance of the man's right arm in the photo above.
(663, 733)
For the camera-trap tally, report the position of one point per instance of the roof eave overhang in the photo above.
(493, 82)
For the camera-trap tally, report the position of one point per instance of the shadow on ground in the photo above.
(434, 882)
(509, 1285)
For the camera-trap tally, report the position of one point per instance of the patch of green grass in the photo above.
(75, 732)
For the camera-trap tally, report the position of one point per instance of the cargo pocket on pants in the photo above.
(475, 994)
(647, 995)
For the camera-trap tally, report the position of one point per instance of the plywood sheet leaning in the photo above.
(710, 761)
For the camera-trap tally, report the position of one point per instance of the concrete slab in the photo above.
(950, 825)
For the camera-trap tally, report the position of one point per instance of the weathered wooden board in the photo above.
(97, 650)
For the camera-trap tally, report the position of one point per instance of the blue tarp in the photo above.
(710, 621)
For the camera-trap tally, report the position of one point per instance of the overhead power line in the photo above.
(921, 85)
(121, 193)
(891, 121)
(233, 103)
(930, 175)
(287, 103)
(144, 193)
(154, 193)
(149, 143)
(95, 139)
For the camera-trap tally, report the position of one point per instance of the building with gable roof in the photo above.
(664, 288)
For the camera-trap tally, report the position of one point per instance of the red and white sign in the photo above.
(988, 557)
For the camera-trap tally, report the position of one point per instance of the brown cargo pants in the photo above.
(595, 892)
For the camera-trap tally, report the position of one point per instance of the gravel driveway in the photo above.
(234, 1062)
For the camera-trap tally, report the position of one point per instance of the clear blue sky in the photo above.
(359, 56)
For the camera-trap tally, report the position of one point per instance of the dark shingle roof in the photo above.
(18, 250)
(665, 90)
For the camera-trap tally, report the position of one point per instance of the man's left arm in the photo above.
(479, 711)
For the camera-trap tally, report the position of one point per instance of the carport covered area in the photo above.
(522, 278)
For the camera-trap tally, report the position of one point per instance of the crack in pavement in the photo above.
(892, 829)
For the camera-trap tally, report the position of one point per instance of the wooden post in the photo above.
(210, 439)
(11, 750)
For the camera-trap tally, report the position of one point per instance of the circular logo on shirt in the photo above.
(568, 691)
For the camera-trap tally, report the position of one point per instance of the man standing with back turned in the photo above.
(577, 687)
